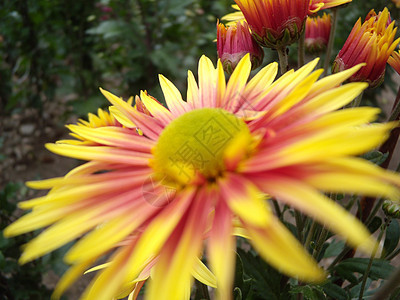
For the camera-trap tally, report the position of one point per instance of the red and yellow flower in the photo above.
(274, 23)
(371, 42)
(317, 33)
(394, 61)
(165, 186)
(234, 42)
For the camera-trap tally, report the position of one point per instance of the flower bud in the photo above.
(371, 43)
(234, 42)
(273, 23)
(391, 209)
(318, 30)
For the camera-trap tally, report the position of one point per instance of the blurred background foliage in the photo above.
(61, 51)
(64, 48)
(67, 48)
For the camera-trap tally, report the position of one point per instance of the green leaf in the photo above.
(334, 248)
(375, 157)
(334, 291)
(108, 29)
(265, 280)
(242, 284)
(375, 224)
(309, 292)
(392, 237)
(2, 260)
(355, 291)
(380, 268)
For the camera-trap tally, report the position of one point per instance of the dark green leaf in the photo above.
(379, 269)
(392, 237)
(334, 291)
(2, 260)
(309, 292)
(375, 224)
(376, 157)
(334, 248)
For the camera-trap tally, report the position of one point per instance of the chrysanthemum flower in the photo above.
(394, 61)
(317, 33)
(316, 5)
(275, 24)
(372, 43)
(168, 186)
(234, 42)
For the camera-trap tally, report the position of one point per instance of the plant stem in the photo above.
(396, 108)
(365, 276)
(340, 257)
(283, 59)
(356, 102)
(331, 41)
(299, 225)
(301, 50)
(373, 212)
(277, 209)
(310, 235)
(322, 238)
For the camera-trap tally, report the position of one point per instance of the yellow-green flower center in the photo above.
(195, 143)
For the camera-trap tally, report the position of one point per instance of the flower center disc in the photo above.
(195, 143)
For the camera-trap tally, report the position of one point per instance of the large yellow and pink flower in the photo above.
(371, 42)
(164, 187)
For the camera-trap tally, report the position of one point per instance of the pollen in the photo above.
(194, 144)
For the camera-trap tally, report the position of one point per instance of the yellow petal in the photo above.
(279, 248)
(203, 274)
(321, 208)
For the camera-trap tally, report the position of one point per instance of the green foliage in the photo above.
(16, 281)
(265, 282)
(58, 48)
(21, 282)
(392, 237)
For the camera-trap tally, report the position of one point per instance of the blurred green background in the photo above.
(56, 53)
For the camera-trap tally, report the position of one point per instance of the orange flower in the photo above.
(317, 33)
(275, 24)
(394, 61)
(372, 43)
(234, 42)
